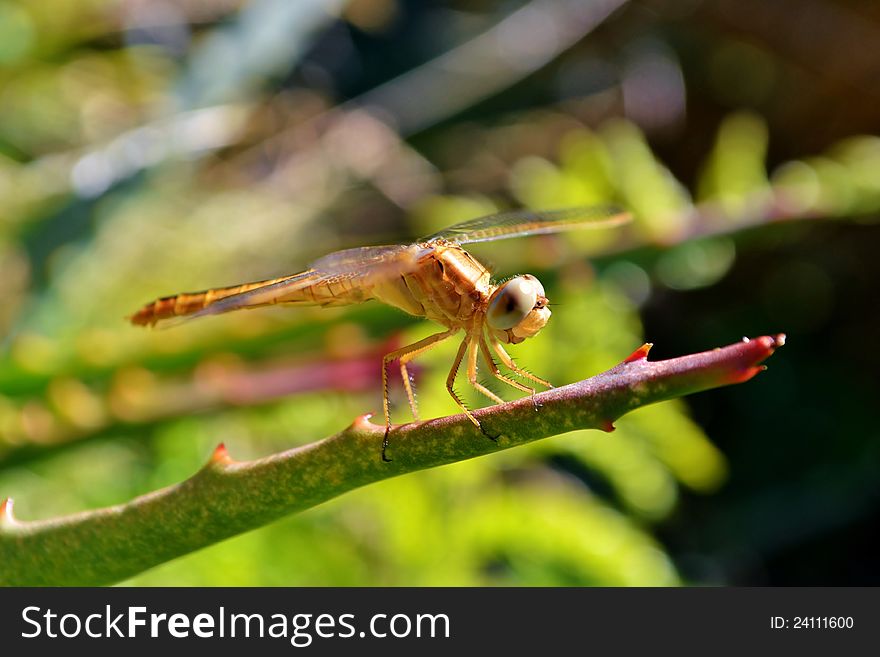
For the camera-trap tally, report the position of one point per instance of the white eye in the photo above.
(539, 289)
(512, 302)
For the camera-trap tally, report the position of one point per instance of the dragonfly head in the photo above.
(517, 309)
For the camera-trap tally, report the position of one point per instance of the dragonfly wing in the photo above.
(519, 223)
(340, 278)
(365, 261)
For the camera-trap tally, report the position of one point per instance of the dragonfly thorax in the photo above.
(517, 309)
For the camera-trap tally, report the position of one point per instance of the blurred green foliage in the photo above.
(147, 149)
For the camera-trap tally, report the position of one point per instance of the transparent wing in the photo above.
(527, 222)
(365, 261)
(340, 278)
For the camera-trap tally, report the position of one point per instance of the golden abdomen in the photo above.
(188, 303)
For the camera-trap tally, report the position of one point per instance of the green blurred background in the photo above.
(153, 147)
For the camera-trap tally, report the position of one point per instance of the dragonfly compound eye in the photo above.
(513, 301)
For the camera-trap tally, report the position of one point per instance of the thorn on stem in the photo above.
(362, 422)
(607, 426)
(746, 373)
(6, 517)
(639, 354)
(220, 456)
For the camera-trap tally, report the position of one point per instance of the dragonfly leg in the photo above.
(473, 343)
(508, 362)
(487, 356)
(450, 380)
(405, 354)
(385, 444)
(410, 393)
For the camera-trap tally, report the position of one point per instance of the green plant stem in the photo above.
(227, 497)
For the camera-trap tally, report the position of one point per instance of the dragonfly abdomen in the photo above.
(187, 303)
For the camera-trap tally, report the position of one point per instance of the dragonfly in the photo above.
(433, 277)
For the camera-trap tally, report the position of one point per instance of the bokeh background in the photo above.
(152, 147)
